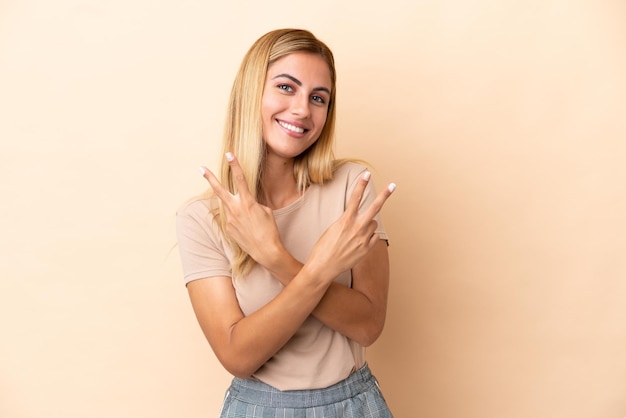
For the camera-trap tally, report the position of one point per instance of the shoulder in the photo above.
(198, 214)
(344, 180)
(347, 171)
(197, 206)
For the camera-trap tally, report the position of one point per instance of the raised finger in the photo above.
(217, 187)
(380, 200)
(238, 176)
(357, 193)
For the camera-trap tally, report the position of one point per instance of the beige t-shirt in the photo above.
(316, 356)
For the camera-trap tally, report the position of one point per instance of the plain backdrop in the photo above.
(502, 122)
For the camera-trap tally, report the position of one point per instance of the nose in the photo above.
(300, 106)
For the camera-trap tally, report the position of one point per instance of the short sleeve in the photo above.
(203, 252)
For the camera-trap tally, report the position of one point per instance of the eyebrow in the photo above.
(299, 83)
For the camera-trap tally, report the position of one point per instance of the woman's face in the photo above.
(295, 103)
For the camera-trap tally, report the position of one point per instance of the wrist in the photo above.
(319, 269)
(316, 274)
(282, 264)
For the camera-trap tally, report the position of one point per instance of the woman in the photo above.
(286, 267)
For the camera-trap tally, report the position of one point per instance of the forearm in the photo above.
(350, 313)
(256, 338)
(343, 309)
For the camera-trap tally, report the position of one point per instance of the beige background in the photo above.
(503, 124)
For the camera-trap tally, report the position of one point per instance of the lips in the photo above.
(291, 128)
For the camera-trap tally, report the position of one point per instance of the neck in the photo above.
(278, 184)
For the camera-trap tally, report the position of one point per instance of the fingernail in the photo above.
(230, 156)
(391, 187)
(366, 175)
(202, 171)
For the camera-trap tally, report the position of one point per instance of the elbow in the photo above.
(238, 370)
(237, 366)
(239, 373)
(370, 333)
(369, 339)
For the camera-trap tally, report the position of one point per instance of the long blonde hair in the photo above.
(243, 133)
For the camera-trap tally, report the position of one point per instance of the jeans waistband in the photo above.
(262, 394)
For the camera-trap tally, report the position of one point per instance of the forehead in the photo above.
(307, 67)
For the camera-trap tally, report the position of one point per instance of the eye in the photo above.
(318, 99)
(285, 87)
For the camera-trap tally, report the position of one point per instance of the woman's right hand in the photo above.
(351, 237)
(249, 223)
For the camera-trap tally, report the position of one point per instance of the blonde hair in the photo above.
(243, 133)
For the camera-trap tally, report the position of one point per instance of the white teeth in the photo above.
(291, 127)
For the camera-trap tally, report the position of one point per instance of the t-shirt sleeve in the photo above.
(202, 252)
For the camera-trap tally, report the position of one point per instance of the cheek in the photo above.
(266, 119)
(269, 104)
(320, 121)
(265, 108)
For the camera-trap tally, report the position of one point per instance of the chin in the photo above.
(287, 152)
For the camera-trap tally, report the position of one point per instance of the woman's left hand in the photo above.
(249, 223)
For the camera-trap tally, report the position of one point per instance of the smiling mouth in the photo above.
(291, 127)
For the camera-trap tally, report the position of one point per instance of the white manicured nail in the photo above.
(230, 156)
(367, 175)
(392, 187)
(202, 171)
